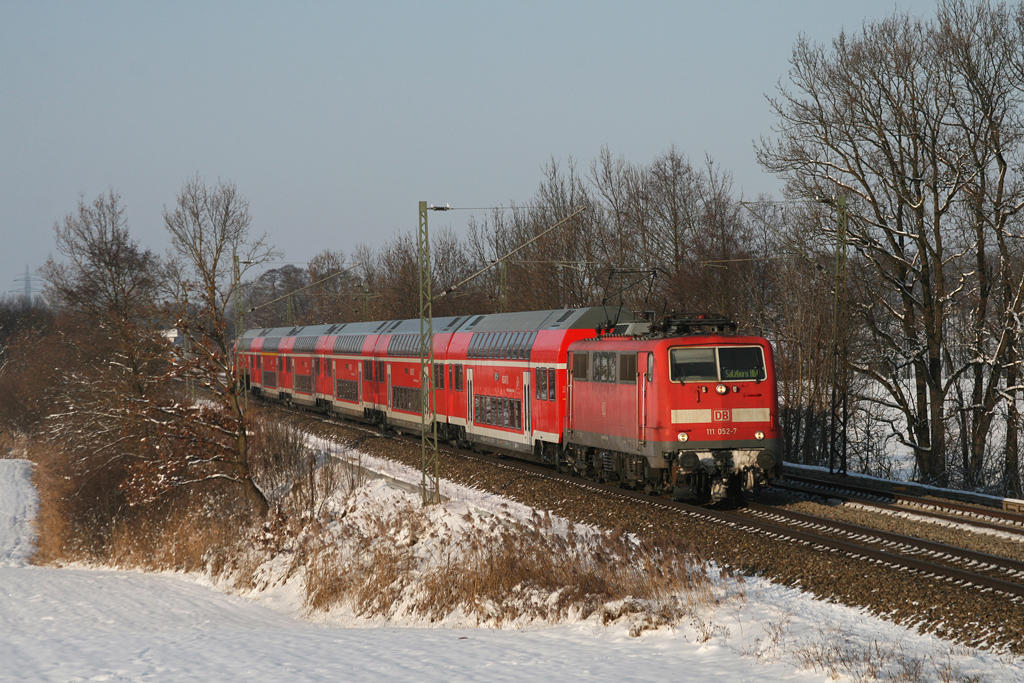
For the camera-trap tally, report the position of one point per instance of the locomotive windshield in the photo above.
(694, 365)
(724, 364)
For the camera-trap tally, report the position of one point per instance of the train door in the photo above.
(527, 424)
(642, 366)
(568, 392)
(470, 403)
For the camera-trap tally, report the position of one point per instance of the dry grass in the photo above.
(833, 653)
(493, 572)
(296, 479)
(82, 517)
(53, 534)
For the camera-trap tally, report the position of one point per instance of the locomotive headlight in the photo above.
(759, 435)
(683, 436)
(722, 389)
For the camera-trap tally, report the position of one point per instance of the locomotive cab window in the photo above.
(726, 364)
(694, 365)
(739, 363)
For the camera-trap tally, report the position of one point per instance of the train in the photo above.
(678, 405)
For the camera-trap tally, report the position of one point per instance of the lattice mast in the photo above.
(839, 379)
(430, 485)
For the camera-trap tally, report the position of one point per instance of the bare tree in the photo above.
(916, 123)
(209, 226)
(107, 281)
(336, 289)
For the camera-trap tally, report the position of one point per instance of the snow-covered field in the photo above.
(85, 624)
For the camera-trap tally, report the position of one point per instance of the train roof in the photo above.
(558, 319)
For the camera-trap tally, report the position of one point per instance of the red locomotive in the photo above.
(681, 405)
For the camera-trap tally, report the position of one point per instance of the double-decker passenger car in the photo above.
(681, 406)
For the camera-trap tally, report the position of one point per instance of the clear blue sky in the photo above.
(335, 119)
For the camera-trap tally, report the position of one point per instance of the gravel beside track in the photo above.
(906, 524)
(959, 613)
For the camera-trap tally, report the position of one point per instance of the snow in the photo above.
(18, 505)
(78, 624)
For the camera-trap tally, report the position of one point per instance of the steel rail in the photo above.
(813, 486)
(1005, 564)
(995, 513)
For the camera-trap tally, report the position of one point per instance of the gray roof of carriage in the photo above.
(557, 319)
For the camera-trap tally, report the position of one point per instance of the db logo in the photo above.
(722, 416)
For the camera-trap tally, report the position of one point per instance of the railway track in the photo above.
(984, 518)
(924, 558)
(946, 562)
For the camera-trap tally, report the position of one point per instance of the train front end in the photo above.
(717, 401)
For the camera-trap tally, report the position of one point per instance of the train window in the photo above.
(288, 365)
(500, 346)
(551, 384)
(439, 376)
(316, 366)
(368, 370)
(739, 363)
(503, 339)
(515, 345)
(579, 365)
(327, 367)
(693, 365)
(280, 364)
(458, 378)
(542, 384)
(604, 366)
(627, 368)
